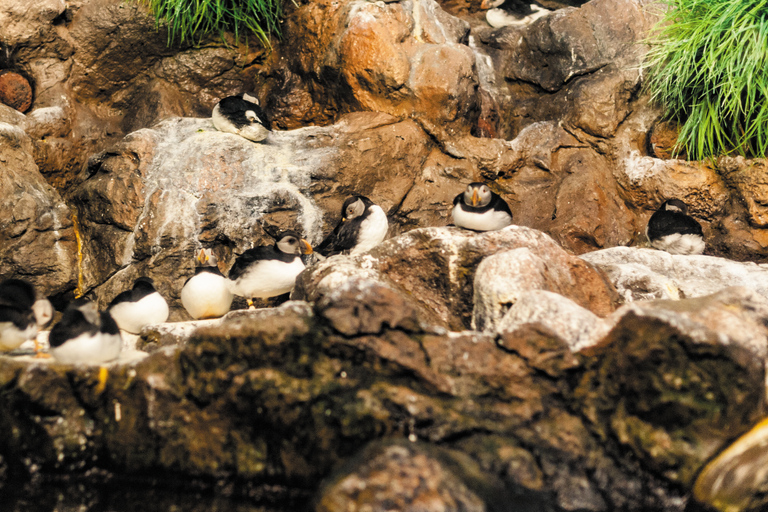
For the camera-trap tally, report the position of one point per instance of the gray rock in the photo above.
(644, 274)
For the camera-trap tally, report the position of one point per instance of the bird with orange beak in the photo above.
(480, 209)
(269, 271)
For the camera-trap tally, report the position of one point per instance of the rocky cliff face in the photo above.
(513, 368)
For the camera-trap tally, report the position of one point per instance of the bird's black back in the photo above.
(235, 107)
(17, 293)
(142, 287)
(20, 318)
(210, 270)
(264, 252)
(72, 324)
(344, 236)
(666, 222)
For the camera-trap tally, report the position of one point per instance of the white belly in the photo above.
(89, 348)
(491, 220)
(206, 295)
(268, 278)
(11, 336)
(134, 316)
(255, 131)
(680, 244)
(373, 230)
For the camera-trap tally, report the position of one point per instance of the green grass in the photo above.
(708, 68)
(191, 20)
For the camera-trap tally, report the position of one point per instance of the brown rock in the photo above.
(15, 91)
(662, 141)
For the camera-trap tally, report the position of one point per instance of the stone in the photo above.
(646, 274)
(686, 375)
(15, 91)
(37, 235)
(447, 259)
(399, 477)
(148, 204)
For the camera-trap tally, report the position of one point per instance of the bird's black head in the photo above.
(289, 242)
(674, 205)
(17, 293)
(355, 206)
(144, 284)
(477, 194)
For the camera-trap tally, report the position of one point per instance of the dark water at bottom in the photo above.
(127, 497)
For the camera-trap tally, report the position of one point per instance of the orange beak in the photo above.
(201, 257)
(486, 4)
(306, 248)
(475, 198)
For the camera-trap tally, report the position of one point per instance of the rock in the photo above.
(645, 274)
(503, 282)
(447, 259)
(685, 375)
(147, 205)
(15, 91)
(736, 479)
(399, 477)
(37, 237)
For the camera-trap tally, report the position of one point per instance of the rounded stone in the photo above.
(15, 91)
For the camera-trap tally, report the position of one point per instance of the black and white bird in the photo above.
(503, 13)
(23, 312)
(85, 335)
(207, 294)
(480, 209)
(671, 229)
(269, 271)
(242, 116)
(138, 307)
(363, 226)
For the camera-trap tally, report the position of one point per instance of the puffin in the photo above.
(138, 307)
(207, 293)
(480, 209)
(85, 335)
(362, 227)
(241, 115)
(269, 271)
(22, 313)
(503, 13)
(671, 229)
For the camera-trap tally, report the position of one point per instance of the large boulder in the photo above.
(37, 235)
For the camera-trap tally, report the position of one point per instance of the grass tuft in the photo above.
(708, 68)
(191, 20)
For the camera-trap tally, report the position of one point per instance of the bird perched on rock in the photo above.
(138, 307)
(480, 209)
(269, 271)
(207, 294)
(22, 313)
(85, 335)
(671, 229)
(503, 13)
(362, 227)
(242, 116)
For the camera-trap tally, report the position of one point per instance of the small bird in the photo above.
(269, 271)
(141, 306)
(362, 227)
(85, 335)
(671, 229)
(17, 316)
(503, 13)
(242, 116)
(207, 293)
(480, 209)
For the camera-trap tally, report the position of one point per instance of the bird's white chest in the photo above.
(268, 278)
(490, 220)
(254, 131)
(11, 336)
(373, 230)
(680, 244)
(206, 295)
(134, 316)
(89, 348)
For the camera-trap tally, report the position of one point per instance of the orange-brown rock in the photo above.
(15, 91)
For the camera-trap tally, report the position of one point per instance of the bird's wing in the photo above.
(74, 323)
(677, 221)
(342, 238)
(501, 204)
